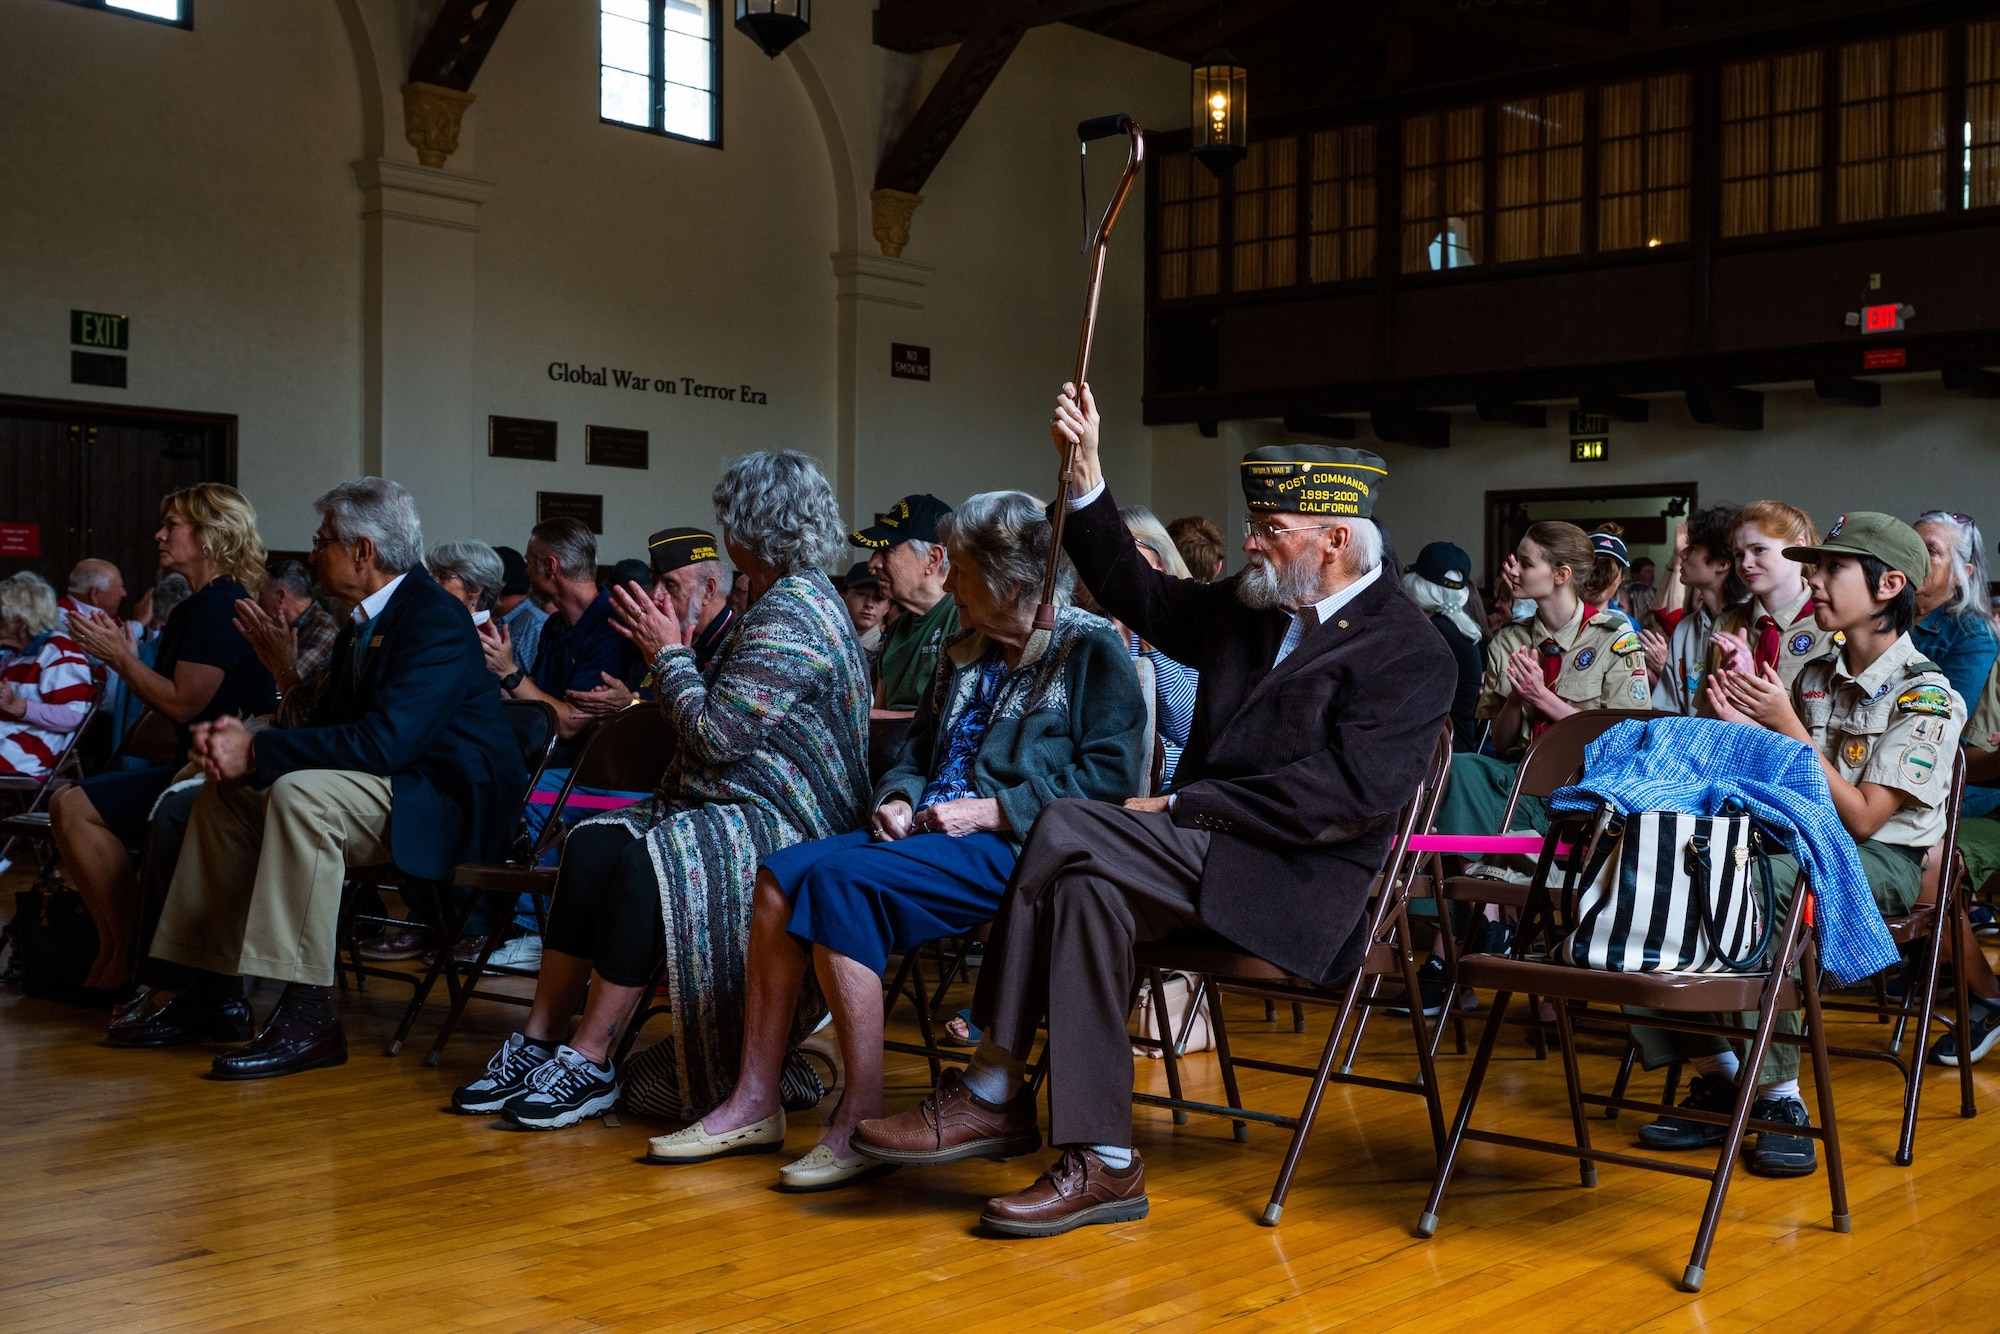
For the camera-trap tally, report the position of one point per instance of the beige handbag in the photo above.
(1180, 990)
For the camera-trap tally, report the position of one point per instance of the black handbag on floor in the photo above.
(55, 942)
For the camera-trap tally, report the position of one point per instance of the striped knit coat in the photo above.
(772, 750)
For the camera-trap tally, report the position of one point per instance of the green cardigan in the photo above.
(1072, 725)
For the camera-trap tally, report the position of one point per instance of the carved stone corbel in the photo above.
(889, 218)
(431, 118)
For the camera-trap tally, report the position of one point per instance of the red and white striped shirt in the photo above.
(55, 683)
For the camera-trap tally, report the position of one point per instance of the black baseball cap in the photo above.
(911, 519)
(514, 572)
(1443, 564)
(1610, 544)
(671, 548)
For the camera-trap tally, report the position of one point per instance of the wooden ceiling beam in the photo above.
(950, 103)
(458, 42)
(925, 25)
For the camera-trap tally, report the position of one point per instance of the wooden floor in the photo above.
(136, 1195)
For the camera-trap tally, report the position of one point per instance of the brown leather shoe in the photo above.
(301, 1034)
(951, 1124)
(1077, 1190)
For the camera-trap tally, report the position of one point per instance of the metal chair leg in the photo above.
(1241, 1129)
(1163, 1024)
(1427, 1221)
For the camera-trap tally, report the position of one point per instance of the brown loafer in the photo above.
(394, 945)
(1079, 1189)
(951, 1124)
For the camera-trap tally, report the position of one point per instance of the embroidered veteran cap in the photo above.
(1868, 533)
(1312, 479)
(1444, 564)
(513, 571)
(671, 548)
(911, 519)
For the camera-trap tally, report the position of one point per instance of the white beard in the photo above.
(1263, 586)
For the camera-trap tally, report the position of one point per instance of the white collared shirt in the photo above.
(1324, 610)
(371, 606)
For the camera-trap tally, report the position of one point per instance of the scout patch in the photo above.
(1919, 762)
(1626, 643)
(1584, 657)
(1834, 531)
(1639, 693)
(1928, 729)
(1801, 643)
(1932, 700)
(1855, 752)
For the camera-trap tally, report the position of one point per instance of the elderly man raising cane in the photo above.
(1323, 690)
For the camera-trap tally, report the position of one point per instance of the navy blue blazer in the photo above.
(420, 709)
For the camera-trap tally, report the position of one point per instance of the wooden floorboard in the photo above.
(137, 1195)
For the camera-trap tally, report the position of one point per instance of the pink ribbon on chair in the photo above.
(584, 801)
(1482, 845)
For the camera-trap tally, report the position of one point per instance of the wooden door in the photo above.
(91, 477)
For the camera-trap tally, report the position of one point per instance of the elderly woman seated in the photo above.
(45, 685)
(1013, 719)
(472, 573)
(771, 750)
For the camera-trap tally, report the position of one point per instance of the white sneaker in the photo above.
(520, 952)
(1504, 874)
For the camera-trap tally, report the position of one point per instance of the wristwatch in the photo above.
(513, 679)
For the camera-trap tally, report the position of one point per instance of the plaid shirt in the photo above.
(1698, 764)
(316, 630)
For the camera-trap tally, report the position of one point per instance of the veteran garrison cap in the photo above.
(1868, 533)
(911, 519)
(671, 548)
(1312, 479)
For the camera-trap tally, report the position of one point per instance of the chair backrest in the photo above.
(1555, 759)
(534, 722)
(628, 751)
(152, 738)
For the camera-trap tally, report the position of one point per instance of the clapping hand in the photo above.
(498, 645)
(606, 699)
(1735, 650)
(102, 637)
(275, 644)
(1758, 697)
(649, 625)
(1524, 672)
(1655, 645)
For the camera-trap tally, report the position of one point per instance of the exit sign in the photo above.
(91, 328)
(1588, 451)
(1885, 319)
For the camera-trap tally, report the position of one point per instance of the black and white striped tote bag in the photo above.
(1667, 892)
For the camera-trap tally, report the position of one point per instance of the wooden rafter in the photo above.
(460, 37)
(950, 103)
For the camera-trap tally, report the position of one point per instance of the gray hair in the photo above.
(1968, 600)
(1150, 533)
(1366, 537)
(922, 551)
(294, 577)
(27, 603)
(475, 564)
(777, 505)
(170, 592)
(1004, 537)
(572, 544)
(91, 575)
(381, 511)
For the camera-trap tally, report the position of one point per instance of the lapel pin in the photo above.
(1342, 624)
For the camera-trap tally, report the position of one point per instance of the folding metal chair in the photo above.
(1679, 1001)
(31, 822)
(627, 752)
(1225, 967)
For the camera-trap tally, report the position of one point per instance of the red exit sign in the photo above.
(1881, 319)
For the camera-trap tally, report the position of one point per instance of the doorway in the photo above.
(85, 479)
(1647, 513)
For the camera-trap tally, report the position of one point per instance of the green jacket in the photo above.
(1069, 722)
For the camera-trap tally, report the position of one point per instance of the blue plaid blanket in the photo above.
(1697, 765)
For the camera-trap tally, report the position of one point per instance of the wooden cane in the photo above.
(1097, 127)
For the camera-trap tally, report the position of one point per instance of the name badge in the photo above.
(376, 642)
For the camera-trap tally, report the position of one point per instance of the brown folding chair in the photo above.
(627, 752)
(1554, 760)
(1942, 920)
(1225, 967)
(1680, 1002)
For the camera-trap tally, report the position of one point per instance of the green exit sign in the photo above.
(92, 328)
(1588, 451)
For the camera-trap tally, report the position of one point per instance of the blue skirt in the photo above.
(124, 798)
(867, 899)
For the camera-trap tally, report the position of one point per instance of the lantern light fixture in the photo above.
(1220, 112)
(773, 24)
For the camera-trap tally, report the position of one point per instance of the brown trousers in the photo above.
(1093, 881)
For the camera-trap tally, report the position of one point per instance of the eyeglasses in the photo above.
(321, 543)
(1265, 532)
(1962, 520)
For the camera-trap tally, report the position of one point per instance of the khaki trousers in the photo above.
(257, 890)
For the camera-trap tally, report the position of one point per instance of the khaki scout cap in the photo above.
(1312, 479)
(1868, 533)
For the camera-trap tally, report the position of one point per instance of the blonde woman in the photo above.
(204, 669)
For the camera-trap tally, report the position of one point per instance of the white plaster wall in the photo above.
(1001, 222)
(197, 182)
(1922, 449)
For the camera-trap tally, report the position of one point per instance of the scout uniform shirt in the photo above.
(1686, 667)
(1800, 640)
(1603, 667)
(1896, 724)
(1985, 720)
